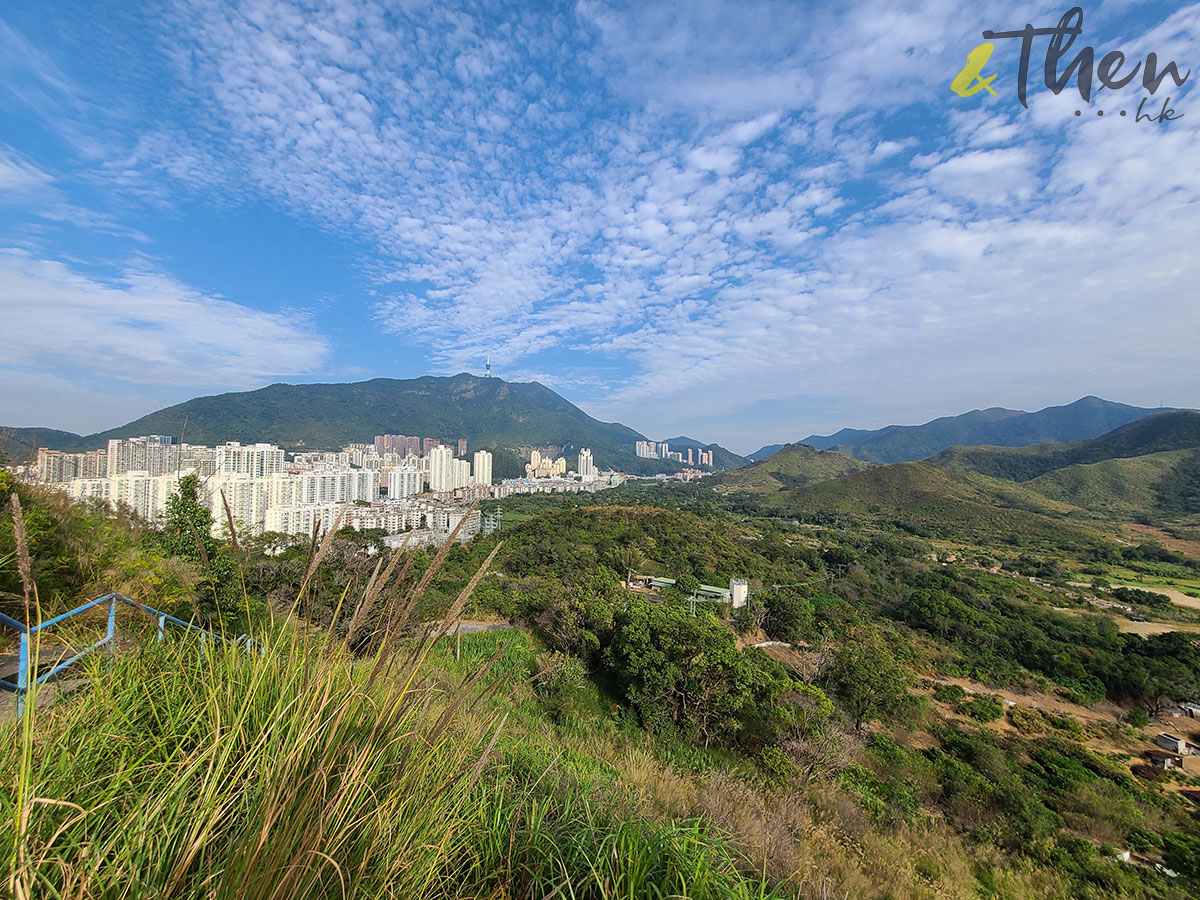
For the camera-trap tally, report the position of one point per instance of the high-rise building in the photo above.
(482, 471)
(544, 466)
(427, 445)
(404, 481)
(461, 470)
(587, 468)
(462, 446)
(646, 449)
(259, 460)
(441, 469)
(56, 467)
(156, 454)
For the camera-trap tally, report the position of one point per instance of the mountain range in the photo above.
(489, 412)
(1146, 471)
(1086, 418)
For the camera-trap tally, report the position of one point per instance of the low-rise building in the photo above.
(1172, 742)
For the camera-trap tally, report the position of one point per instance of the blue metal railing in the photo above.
(27, 632)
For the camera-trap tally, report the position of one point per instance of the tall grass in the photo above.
(222, 774)
(194, 770)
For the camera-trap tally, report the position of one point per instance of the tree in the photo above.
(868, 678)
(187, 534)
(685, 675)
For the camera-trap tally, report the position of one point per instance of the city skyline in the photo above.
(743, 224)
(374, 485)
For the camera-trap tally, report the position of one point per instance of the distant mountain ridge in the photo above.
(1146, 469)
(1086, 418)
(488, 412)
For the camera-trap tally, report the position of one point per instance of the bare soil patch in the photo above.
(1179, 545)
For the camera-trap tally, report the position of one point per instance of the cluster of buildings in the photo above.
(397, 483)
(656, 450)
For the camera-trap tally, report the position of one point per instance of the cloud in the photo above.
(143, 327)
(699, 204)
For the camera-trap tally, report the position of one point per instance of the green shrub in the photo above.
(560, 683)
(952, 694)
(1027, 721)
(984, 709)
(1137, 718)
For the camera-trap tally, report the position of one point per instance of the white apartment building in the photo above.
(89, 489)
(462, 473)
(482, 470)
(404, 481)
(336, 485)
(259, 460)
(248, 498)
(646, 449)
(300, 519)
(441, 469)
(154, 454)
(587, 468)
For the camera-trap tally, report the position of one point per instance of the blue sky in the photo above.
(744, 221)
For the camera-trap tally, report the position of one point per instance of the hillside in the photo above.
(488, 412)
(1156, 485)
(793, 466)
(925, 500)
(1159, 433)
(1086, 418)
(1149, 468)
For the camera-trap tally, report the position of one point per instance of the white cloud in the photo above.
(707, 202)
(143, 327)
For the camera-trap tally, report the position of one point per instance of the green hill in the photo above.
(793, 466)
(924, 500)
(1156, 484)
(1149, 468)
(488, 412)
(1085, 418)
(1160, 433)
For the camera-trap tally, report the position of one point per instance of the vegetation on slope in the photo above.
(1159, 433)
(1148, 470)
(792, 466)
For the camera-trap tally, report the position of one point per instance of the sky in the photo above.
(742, 221)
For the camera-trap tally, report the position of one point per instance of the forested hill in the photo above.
(1146, 470)
(1160, 433)
(1086, 418)
(488, 412)
(794, 465)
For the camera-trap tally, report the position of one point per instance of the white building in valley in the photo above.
(441, 469)
(587, 468)
(404, 481)
(482, 473)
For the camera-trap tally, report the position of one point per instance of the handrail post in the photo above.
(22, 673)
(162, 626)
(112, 629)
